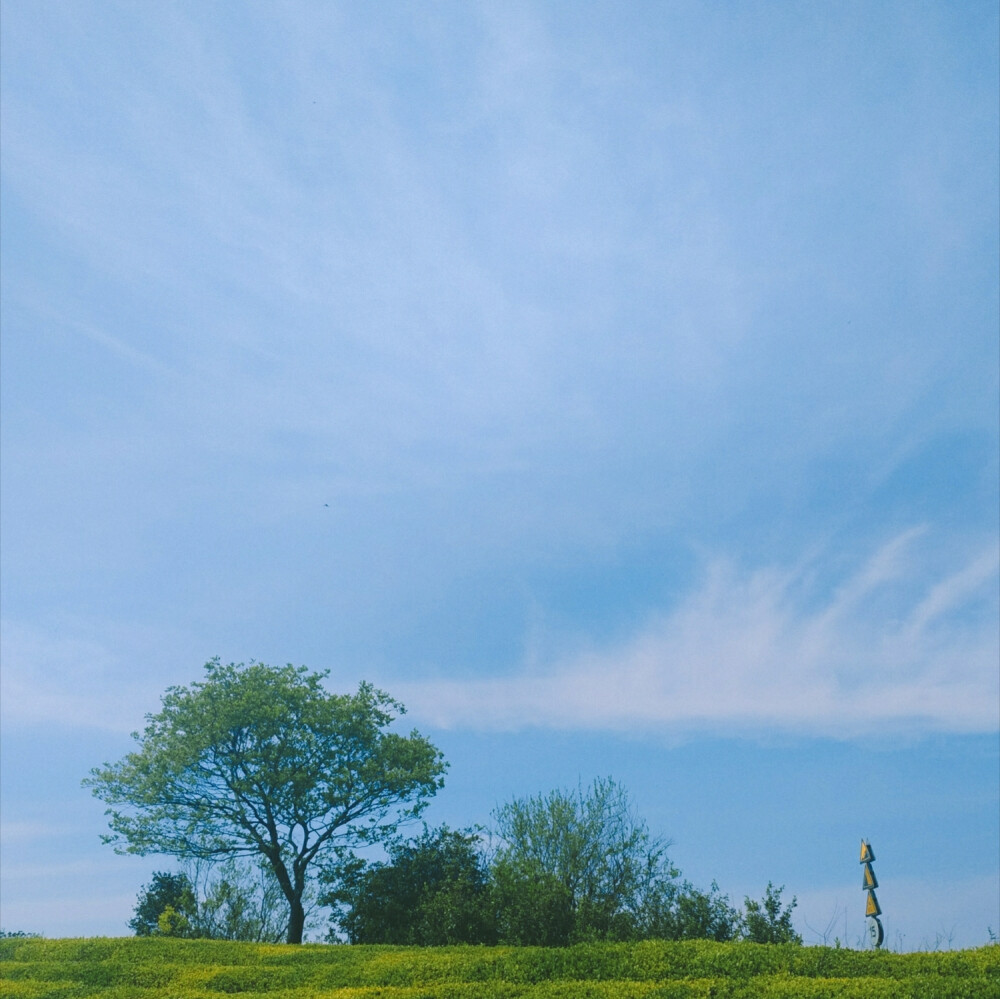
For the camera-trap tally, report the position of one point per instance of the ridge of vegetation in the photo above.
(169, 968)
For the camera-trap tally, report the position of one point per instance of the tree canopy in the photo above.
(591, 848)
(571, 866)
(767, 922)
(432, 890)
(167, 890)
(261, 761)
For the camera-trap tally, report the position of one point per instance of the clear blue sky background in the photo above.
(614, 383)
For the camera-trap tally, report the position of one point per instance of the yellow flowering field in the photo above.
(152, 968)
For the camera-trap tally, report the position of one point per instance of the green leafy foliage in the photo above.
(172, 923)
(590, 843)
(571, 867)
(532, 907)
(165, 891)
(432, 890)
(767, 922)
(233, 902)
(241, 902)
(260, 761)
(692, 914)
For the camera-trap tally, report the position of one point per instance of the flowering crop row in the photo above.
(150, 968)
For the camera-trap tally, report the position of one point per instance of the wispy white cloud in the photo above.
(744, 651)
(757, 650)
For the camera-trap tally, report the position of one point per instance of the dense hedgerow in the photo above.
(152, 968)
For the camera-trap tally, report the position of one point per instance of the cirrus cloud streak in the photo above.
(756, 650)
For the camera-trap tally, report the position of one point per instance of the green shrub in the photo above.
(766, 921)
(166, 968)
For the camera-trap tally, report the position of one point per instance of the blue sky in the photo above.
(615, 384)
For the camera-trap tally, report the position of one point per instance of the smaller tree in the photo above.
(165, 891)
(240, 902)
(592, 844)
(688, 913)
(432, 891)
(232, 902)
(531, 906)
(766, 921)
(174, 924)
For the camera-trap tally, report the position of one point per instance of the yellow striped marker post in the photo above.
(869, 883)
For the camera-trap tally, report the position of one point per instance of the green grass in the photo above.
(151, 968)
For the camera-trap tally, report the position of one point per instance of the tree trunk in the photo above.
(296, 921)
(293, 895)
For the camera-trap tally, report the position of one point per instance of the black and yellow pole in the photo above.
(869, 883)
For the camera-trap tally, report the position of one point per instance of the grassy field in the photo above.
(151, 968)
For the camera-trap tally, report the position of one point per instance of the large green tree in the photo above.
(260, 761)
